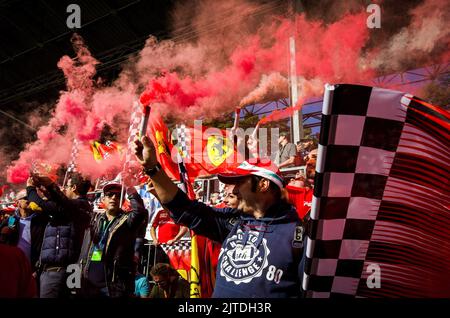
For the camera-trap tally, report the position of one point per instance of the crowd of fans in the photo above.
(46, 228)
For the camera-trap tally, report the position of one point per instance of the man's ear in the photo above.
(264, 185)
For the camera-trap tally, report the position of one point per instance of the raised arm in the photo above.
(180, 234)
(138, 212)
(146, 156)
(47, 206)
(197, 216)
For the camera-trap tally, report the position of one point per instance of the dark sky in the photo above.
(34, 36)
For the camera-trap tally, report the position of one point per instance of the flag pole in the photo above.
(195, 284)
(132, 131)
(73, 158)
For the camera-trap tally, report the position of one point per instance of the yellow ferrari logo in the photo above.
(218, 149)
(160, 141)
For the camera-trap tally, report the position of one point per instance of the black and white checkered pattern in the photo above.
(72, 167)
(34, 167)
(182, 245)
(184, 141)
(183, 154)
(360, 134)
(135, 120)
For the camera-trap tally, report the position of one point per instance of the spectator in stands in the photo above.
(25, 229)
(168, 283)
(311, 155)
(298, 180)
(141, 284)
(308, 145)
(300, 194)
(231, 197)
(310, 171)
(168, 231)
(300, 154)
(262, 240)
(107, 253)
(69, 214)
(285, 156)
(16, 276)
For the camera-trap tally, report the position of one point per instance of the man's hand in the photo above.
(156, 243)
(170, 242)
(43, 180)
(30, 182)
(145, 152)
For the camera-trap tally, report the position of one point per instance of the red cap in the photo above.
(266, 170)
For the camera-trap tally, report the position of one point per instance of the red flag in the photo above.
(301, 198)
(179, 254)
(103, 151)
(209, 151)
(159, 134)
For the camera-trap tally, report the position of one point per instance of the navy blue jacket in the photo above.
(259, 257)
(68, 218)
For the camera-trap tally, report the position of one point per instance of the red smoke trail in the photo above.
(172, 90)
(81, 113)
(326, 53)
(280, 114)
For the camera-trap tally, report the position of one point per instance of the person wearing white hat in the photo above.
(25, 229)
(262, 240)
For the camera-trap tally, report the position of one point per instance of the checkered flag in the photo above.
(380, 214)
(184, 141)
(34, 168)
(72, 167)
(135, 119)
(179, 254)
(182, 246)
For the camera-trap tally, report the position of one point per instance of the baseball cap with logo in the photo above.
(266, 170)
(112, 186)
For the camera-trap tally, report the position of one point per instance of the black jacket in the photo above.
(68, 219)
(118, 252)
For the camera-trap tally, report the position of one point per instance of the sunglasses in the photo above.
(110, 194)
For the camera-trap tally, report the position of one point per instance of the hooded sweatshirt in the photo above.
(259, 257)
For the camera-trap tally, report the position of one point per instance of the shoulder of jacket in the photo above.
(122, 219)
(235, 219)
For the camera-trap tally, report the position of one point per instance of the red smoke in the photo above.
(172, 90)
(216, 71)
(80, 113)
